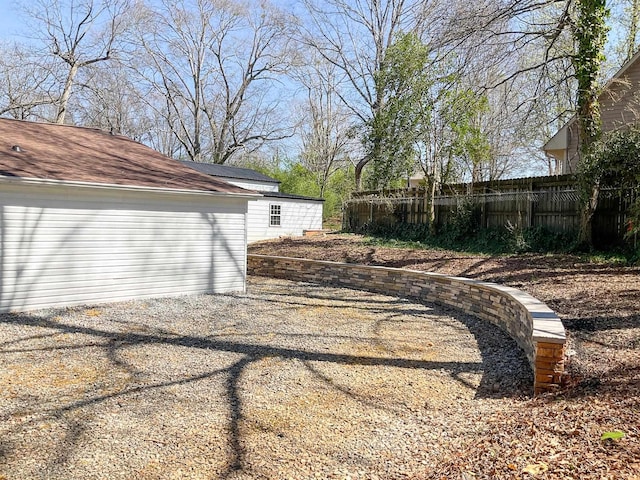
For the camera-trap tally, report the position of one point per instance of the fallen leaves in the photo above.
(536, 469)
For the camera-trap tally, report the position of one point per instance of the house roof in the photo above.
(226, 171)
(44, 151)
(238, 173)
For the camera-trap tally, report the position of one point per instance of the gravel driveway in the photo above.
(289, 380)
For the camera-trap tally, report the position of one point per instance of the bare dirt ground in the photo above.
(599, 304)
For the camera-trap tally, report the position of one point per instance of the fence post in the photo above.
(483, 209)
(530, 206)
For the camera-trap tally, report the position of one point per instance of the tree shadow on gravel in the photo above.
(503, 371)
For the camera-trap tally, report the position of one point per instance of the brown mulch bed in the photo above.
(599, 304)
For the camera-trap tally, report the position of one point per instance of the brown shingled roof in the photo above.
(66, 153)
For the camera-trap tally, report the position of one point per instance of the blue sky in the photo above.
(10, 21)
(12, 24)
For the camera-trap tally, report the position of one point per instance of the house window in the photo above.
(274, 215)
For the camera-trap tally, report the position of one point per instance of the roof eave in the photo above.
(244, 178)
(268, 194)
(131, 188)
(559, 140)
(621, 71)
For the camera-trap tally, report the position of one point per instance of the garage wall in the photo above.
(296, 216)
(70, 245)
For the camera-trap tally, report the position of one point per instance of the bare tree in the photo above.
(631, 41)
(216, 63)
(584, 23)
(523, 113)
(109, 99)
(78, 33)
(324, 125)
(354, 37)
(625, 21)
(27, 90)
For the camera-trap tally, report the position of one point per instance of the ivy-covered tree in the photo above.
(590, 35)
(405, 81)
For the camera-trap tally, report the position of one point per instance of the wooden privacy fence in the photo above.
(554, 207)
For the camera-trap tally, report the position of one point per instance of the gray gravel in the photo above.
(289, 380)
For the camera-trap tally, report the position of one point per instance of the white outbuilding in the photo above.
(275, 214)
(88, 217)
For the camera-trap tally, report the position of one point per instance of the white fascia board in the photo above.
(129, 188)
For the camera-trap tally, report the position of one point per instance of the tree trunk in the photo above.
(66, 93)
(590, 35)
(431, 213)
(585, 235)
(358, 173)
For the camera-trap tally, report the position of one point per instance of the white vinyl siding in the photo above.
(253, 184)
(63, 246)
(295, 217)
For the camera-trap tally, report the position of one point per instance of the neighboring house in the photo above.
(417, 180)
(274, 215)
(619, 106)
(88, 217)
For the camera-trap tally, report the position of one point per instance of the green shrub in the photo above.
(463, 236)
(463, 223)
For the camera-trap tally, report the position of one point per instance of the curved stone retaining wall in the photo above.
(535, 327)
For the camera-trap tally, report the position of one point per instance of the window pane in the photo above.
(274, 215)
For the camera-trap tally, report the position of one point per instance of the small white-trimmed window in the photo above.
(274, 215)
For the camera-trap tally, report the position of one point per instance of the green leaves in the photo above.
(615, 435)
(404, 82)
(613, 163)
(426, 118)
